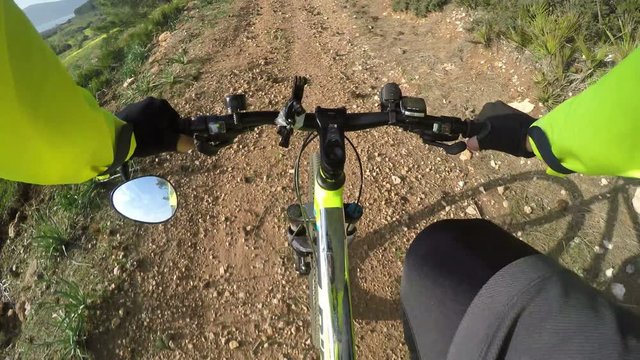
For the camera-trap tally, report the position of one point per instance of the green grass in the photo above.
(142, 87)
(418, 7)
(482, 32)
(62, 322)
(72, 36)
(179, 58)
(51, 237)
(71, 319)
(8, 196)
(550, 32)
(77, 200)
(52, 227)
(68, 286)
(86, 53)
(136, 54)
(114, 48)
(625, 36)
(58, 325)
(125, 49)
(68, 206)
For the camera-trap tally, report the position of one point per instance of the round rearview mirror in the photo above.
(147, 199)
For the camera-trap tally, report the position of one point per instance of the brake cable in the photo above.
(361, 169)
(296, 182)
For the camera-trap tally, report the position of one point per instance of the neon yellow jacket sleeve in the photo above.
(598, 131)
(51, 130)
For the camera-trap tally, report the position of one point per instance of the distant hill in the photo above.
(88, 7)
(45, 13)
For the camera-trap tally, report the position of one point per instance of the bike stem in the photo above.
(332, 147)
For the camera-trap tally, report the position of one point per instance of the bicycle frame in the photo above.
(330, 252)
(332, 261)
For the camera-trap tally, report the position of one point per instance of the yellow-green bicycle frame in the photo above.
(332, 264)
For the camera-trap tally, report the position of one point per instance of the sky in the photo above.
(142, 199)
(24, 3)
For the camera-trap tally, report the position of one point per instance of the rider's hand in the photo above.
(156, 127)
(507, 130)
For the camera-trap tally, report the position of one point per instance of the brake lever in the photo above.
(217, 135)
(285, 136)
(210, 144)
(434, 139)
(299, 82)
(451, 149)
(207, 148)
(292, 115)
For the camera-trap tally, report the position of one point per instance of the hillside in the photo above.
(41, 14)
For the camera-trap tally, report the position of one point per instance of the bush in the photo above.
(473, 4)
(570, 38)
(60, 48)
(123, 52)
(165, 15)
(575, 41)
(419, 7)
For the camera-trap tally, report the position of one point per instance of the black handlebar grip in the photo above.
(476, 128)
(185, 126)
(195, 125)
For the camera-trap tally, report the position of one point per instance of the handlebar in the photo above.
(433, 129)
(353, 122)
(408, 113)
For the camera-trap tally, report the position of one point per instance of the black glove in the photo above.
(156, 126)
(506, 130)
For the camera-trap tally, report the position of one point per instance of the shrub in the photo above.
(165, 15)
(134, 57)
(419, 7)
(571, 39)
(123, 52)
(60, 48)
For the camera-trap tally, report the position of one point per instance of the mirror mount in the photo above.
(125, 171)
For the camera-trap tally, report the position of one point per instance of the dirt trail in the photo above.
(220, 273)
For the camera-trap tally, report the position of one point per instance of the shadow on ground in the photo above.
(617, 196)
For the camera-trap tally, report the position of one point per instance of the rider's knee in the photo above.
(443, 241)
(446, 234)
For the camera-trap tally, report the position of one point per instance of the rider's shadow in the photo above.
(625, 284)
(370, 306)
(627, 275)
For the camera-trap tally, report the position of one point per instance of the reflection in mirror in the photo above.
(148, 199)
